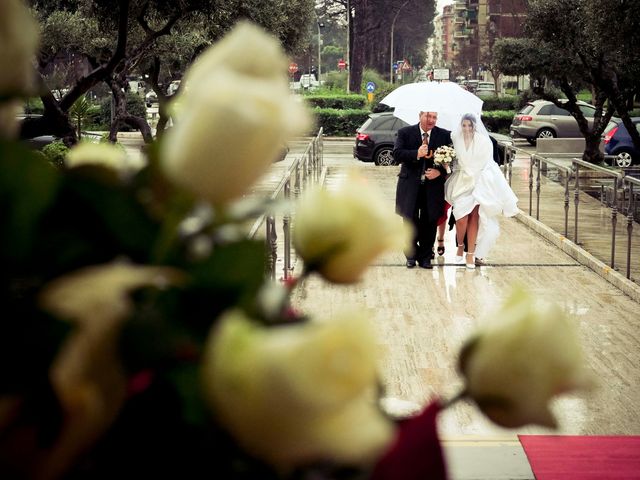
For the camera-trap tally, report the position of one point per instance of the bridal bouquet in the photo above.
(444, 155)
(139, 333)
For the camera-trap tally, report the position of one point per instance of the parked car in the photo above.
(544, 119)
(617, 141)
(375, 138)
(377, 135)
(486, 88)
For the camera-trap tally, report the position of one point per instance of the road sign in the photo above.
(342, 64)
(293, 68)
(441, 74)
(371, 87)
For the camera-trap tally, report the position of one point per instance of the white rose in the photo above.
(340, 231)
(525, 355)
(18, 45)
(87, 374)
(103, 154)
(297, 393)
(235, 115)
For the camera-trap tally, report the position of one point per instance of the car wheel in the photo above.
(623, 159)
(532, 141)
(384, 157)
(546, 133)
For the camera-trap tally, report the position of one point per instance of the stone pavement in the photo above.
(423, 316)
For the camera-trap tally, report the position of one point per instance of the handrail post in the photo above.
(576, 199)
(539, 164)
(531, 163)
(286, 226)
(566, 203)
(614, 222)
(630, 211)
(272, 247)
(512, 156)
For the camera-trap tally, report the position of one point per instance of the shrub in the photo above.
(55, 153)
(507, 102)
(498, 121)
(369, 75)
(135, 106)
(336, 81)
(341, 123)
(337, 101)
(33, 106)
(379, 94)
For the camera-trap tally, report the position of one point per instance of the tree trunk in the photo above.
(359, 47)
(592, 153)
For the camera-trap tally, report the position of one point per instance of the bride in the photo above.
(477, 190)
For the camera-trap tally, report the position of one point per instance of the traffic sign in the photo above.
(342, 64)
(293, 68)
(371, 87)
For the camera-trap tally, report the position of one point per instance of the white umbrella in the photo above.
(449, 99)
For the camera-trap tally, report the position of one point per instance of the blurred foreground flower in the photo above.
(102, 154)
(524, 356)
(339, 232)
(18, 45)
(300, 393)
(235, 114)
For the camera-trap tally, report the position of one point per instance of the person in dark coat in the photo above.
(420, 188)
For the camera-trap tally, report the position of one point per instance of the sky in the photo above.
(442, 3)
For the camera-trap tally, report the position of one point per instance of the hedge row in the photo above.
(498, 121)
(340, 123)
(344, 123)
(345, 102)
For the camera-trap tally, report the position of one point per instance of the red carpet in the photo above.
(569, 457)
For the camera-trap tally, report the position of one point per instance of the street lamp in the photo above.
(393, 25)
(320, 25)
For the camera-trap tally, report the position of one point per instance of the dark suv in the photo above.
(375, 138)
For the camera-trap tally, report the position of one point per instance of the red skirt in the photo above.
(445, 214)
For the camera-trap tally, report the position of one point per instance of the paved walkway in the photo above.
(423, 316)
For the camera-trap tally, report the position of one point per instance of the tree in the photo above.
(572, 43)
(118, 37)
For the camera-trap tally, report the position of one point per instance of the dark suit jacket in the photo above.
(405, 153)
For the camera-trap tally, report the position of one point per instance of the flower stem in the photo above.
(461, 395)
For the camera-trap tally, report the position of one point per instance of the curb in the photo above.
(583, 257)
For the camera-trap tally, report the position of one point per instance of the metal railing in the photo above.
(633, 204)
(554, 174)
(305, 171)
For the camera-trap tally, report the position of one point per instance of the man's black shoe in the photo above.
(426, 264)
(411, 263)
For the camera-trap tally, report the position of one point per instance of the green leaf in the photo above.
(28, 186)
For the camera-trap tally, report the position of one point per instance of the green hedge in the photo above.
(340, 123)
(337, 101)
(498, 121)
(506, 102)
(55, 153)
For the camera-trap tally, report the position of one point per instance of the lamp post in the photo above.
(393, 25)
(320, 25)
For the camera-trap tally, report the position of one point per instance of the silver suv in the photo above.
(543, 119)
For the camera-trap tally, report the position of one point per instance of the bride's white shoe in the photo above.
(460, 258)
(471, 264)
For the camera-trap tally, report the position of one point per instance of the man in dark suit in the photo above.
(420, 189)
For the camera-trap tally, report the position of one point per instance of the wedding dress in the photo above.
(477, 180)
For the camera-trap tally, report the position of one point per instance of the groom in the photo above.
(420, 189)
